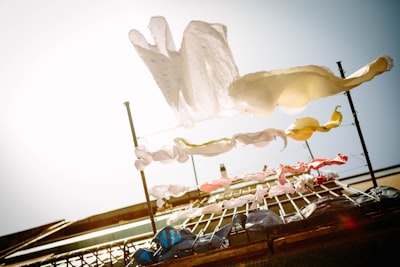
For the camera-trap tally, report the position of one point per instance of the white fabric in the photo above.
(238, 202)
(194, 212)
(211, 148)
(262, 138)
(259, 93)
(161, 192)
(216, 184)
(182, 148)
(201, 80)
(280, 189)
(194, 79)
(303, 182)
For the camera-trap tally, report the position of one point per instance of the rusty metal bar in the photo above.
(355, 190)
(295, 206)
(281, 210)
(146, 192)
(371, 170)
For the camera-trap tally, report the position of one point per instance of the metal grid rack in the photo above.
(120, 252)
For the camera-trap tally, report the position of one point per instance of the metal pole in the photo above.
(311, 154)
(194, 170)
(195, 175)
(146, 192)
(309, 150)
(371, 171)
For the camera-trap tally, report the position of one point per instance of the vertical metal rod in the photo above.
(309, 150)
(146, 192)
(311, 154)
(194, 170)
(371, 171)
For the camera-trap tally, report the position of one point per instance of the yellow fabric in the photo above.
(303, 128)
(259, 93)
(210, 148)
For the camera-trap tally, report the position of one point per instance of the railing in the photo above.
(120, 253)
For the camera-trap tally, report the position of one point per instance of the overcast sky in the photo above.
(67, 67)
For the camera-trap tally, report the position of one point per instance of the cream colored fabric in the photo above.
(194, 79)
(182, 149)
(292, 89)
(216, 147)
(216, 184)
(302, 129)
(261, 138)
(211, 148)
(201, 80)
(165, 192)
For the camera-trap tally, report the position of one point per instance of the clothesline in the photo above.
(300, 130)
(182, 73)
(161, 192)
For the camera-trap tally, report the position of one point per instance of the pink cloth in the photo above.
(238, 202)
(216, 184)
(262, 138)
(282, 169)
(280, 189)
(320, 162)
(161, 192)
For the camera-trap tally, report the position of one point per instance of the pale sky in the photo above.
(67, 67)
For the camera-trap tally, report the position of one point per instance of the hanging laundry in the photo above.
(238, 201)
(291, 89)
(383, 193)
(194, 212)
(182, 148)
(255, 176)
(252, 199)
(174, 243)
(280, 189)
(161, 192)
(165, 155)
(314, 164)
(201, 80)
(304, 182)
(325, 206)
(216, 184)
(320, 162)
(194, 79)
(262, 220)
(283, 169)
(182, 214)
(261, 138)
(302, 129)
(211, 148)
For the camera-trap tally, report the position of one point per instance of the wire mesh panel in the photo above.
(292, 209)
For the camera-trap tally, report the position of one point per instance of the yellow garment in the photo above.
(303, 128)
(210, 148)
(222, 145)
(291, 89)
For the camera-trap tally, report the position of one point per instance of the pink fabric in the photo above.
(320, 162)
(216, 184)
(280, 189)
(283, 169)
(194, 212)
(211, 148)
(238, 202)
(262, 138)
(161, 192)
